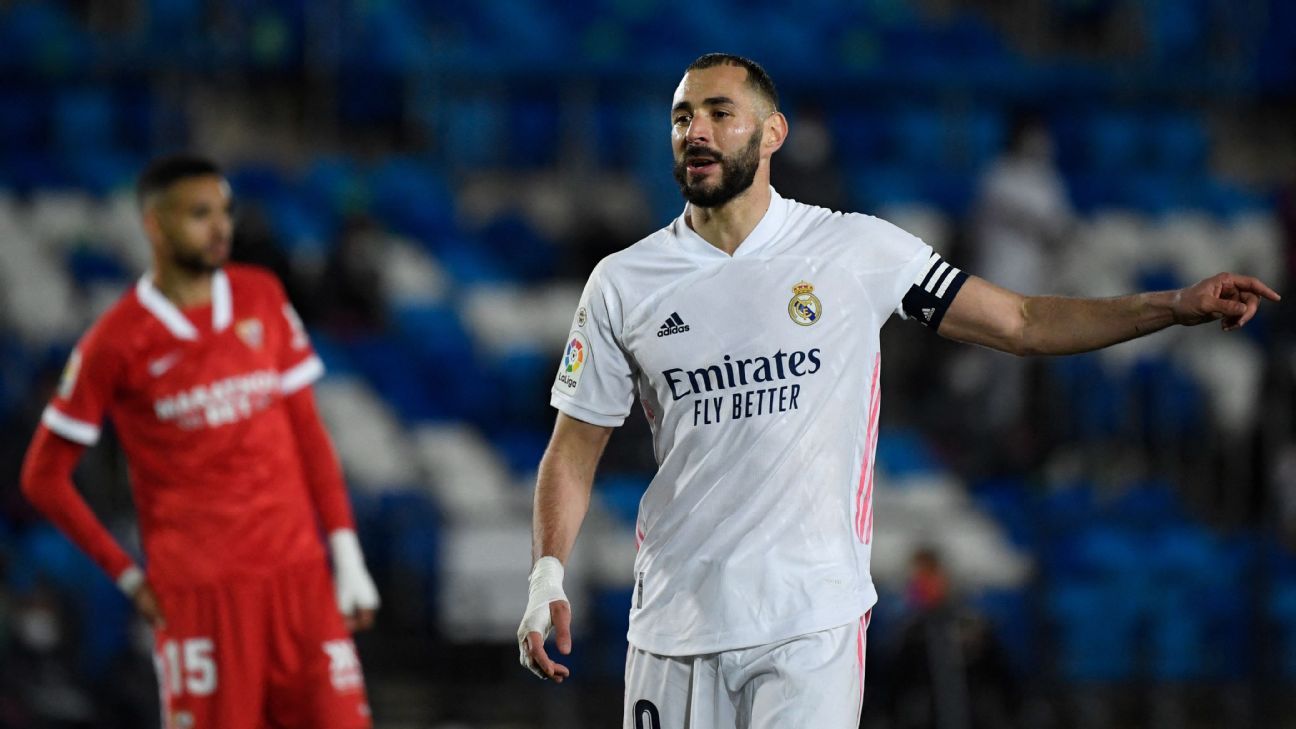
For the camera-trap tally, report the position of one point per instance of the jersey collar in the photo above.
(761, 235)
(179, 325)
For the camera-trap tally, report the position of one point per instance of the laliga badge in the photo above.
(804, 307)
(68, 380)
(573, 363)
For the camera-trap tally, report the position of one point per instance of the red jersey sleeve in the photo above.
(47, 484)
(85, 390)
(299, 366)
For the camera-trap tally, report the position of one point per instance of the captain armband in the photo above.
(932, 292)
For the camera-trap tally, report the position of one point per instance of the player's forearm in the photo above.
(47, 483)
(563, 488)
(1060, 325)
(561, 501)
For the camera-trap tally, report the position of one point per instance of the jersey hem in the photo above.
(585, 414)
(669, 645)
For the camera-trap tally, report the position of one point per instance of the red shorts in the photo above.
(259, 652)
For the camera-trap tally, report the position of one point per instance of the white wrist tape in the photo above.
(545, 587)
(355, 588)
(130, 579)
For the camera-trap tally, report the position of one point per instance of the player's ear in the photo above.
(149, 221)
(775, 130)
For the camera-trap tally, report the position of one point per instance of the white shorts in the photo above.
(813, 680)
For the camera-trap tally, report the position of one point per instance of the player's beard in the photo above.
(737, 172)
(196, 262)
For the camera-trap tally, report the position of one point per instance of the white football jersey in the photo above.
(759, 375)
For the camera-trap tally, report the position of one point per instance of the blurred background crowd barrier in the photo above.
(1095, 541)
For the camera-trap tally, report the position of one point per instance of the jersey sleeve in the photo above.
(888, 260)
(931, 292)
(299, 365)
(595, 380)
(85, 390)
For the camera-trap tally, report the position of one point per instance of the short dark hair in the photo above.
(163, 172)
(756, 76)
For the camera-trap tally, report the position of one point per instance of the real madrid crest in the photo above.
(804, 307)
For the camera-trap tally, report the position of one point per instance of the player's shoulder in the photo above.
(119, 324)
(879, 241)
(253, 283)
(646, 256)
(250, 276)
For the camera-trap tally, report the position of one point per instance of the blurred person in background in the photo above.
(205, 371)
(752, 584)
(948, 671)
(1021, 220)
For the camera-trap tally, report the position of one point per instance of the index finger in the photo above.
(535, 647)
(1251, 283)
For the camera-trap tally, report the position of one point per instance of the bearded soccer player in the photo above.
(747, 329)
(205, 371)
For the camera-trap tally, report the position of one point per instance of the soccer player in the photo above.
(747, 329)
(205, 371)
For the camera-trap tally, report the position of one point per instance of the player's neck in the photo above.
(183, 288)
(727, 226)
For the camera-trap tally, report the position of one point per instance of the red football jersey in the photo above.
(196, 398)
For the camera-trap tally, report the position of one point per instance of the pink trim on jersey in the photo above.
(868, 497)
(863, 501)
(639, 537)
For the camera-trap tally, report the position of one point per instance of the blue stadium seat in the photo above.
(611, 612)
(859, 136)
(23, 118)
(476, 133)
(336, 183)
(1010, 614)
(468, 261)
(1179, 143)
(521, 448)
(103, 171)
(1097, 631)
(621, 493)
(872, 188)
(1007, 501)
(88, 266)
(534, 133)
(518, 246)
(413, 198)
(1114, 142)
(387, 367)
(904, 453)
(300, 226)
(918, 136)
(46, 558)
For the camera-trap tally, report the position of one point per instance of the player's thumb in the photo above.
(560, 613)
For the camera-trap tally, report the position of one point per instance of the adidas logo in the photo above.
(927, 313)
(673, 325)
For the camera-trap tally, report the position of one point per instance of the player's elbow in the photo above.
(42, 473)
(29, 482)
(1023, 332)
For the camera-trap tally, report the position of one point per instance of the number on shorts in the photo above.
(644, 707)
(188, 667)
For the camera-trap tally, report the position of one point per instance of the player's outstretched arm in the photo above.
(561, 501)
(985, 314)
(47, 484)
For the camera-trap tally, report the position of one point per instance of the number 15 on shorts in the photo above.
(187, 666)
